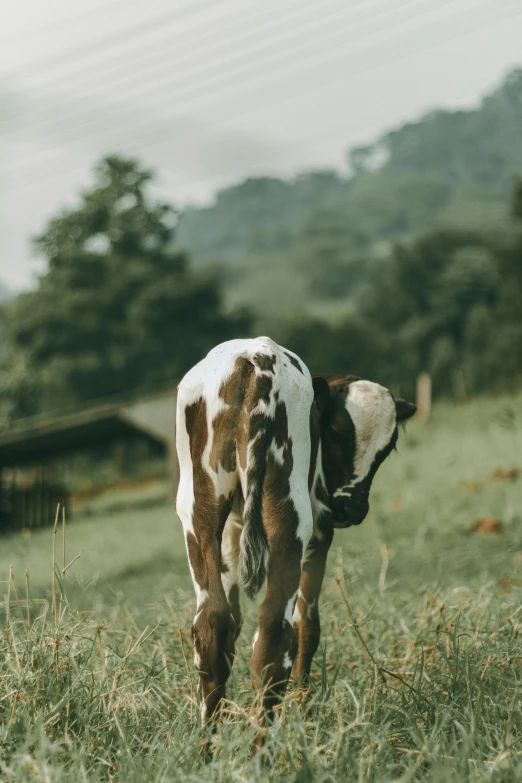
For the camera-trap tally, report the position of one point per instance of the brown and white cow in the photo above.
(271, 461)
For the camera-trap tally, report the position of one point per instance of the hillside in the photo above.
(295, 240)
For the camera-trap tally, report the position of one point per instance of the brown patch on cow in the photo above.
(196, 422)
(280, 517)
(280, 521)
(487, 526)
(280, 424)
(277, 484)
(197, 561)
(224, 509)
(264, 361)
(235, 607)
(254, 427)
(242, 451)
(209, 512)
(225, 424)
(294, 361)
(337, 382)
(205, 501)
(263, 388)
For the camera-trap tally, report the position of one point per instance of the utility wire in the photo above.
(201, 89)
(374, 63)
(217, 41)
(137, 30)
(68, 20)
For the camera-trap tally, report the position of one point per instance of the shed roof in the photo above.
(48, 437)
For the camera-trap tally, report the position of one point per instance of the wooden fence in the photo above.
(31, 507)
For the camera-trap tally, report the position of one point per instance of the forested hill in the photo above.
(315, 237)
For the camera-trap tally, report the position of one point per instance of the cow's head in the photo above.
(358, 430)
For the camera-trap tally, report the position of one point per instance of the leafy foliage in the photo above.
(410, 263)
(119, 306)
(447, 170)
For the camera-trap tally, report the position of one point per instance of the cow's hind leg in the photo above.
(214, 627)
(275, 643)
(203, 503)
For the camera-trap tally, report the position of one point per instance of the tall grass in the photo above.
(418, 676)
(438, 700)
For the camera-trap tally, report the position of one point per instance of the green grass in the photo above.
(107, 693)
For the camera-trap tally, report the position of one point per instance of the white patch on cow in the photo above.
(287, 661)
(310, 608)
(201, 594)
(289, 610)
(297, 616)
(318, 507)
(230, 551)
(278, 452)
(203, 711)
(197, 659)
(296, 392)
(372, 410)
(343, 492)
(256, 637)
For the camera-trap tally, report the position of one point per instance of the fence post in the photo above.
(423, 396)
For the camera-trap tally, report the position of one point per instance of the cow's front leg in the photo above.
(306, 621)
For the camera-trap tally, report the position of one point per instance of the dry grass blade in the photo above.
(62, 608)
(380, 669)
(27, 597)
(356, 628)
(53, 589)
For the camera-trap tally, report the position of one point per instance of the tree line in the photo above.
(311, 242)
(121, 307)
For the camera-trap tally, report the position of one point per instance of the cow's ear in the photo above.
(404, 410)
(322, 395)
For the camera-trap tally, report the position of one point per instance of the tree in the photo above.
(119, 306)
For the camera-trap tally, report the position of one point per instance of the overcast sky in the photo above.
(212, 91)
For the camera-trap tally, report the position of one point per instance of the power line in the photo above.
(67, 20)
(153, 139)
(201, 88)
(375, 62)
(123, 35)
(217, 41)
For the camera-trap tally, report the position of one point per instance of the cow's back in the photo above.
(243, 420)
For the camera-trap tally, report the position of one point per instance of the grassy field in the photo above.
(106, 693)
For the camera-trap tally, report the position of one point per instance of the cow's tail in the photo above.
(253, 545)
